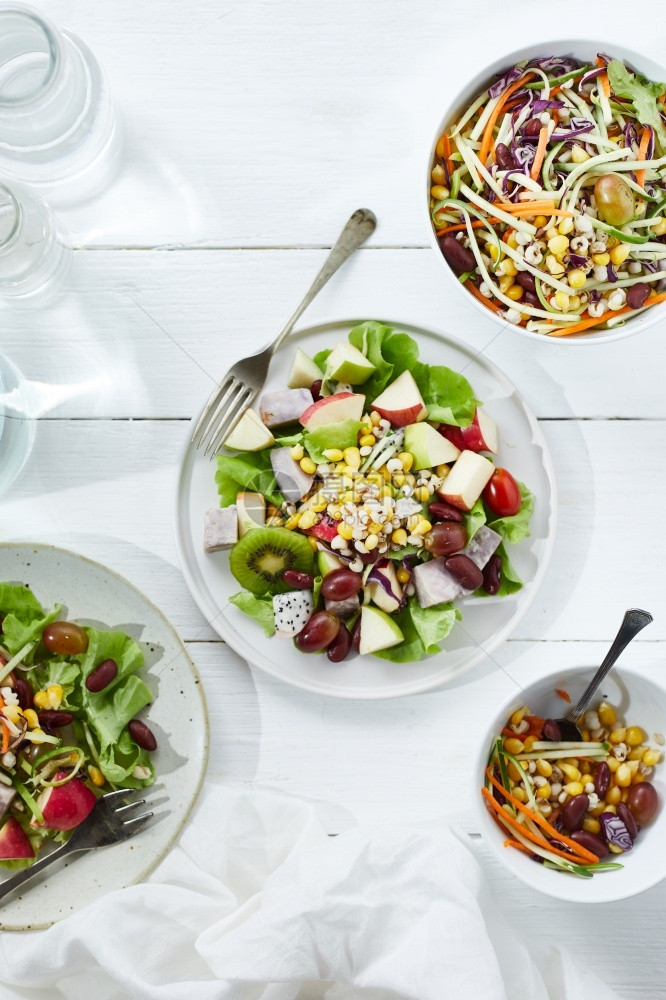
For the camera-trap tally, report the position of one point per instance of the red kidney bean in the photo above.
(602, 779)
(532, 299)
(492, 575)
(637, 295)
(142, 735)
(574, 812)
(464, 571)
(369, 557)
(315, 389)
(23, 692)
(505, 158)
(56, 720)
(526, 281)
(445, 512)
(591, 842)
(533, 127)
(102, 675)
(339, 648)
(627, 817)
(301, 581)
(458, 257)
(551, 731)
(356, 636)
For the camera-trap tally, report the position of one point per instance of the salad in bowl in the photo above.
(361, 506)
(548, 191)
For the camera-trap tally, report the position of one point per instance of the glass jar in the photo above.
(17, 430)
(34, 257)
(58, 128)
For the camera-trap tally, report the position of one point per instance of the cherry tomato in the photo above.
(502, 494)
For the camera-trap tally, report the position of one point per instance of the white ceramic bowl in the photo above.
(581, 49)
(639, 701)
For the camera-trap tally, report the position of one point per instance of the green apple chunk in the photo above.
(249, 434)
(346, 364)
(303, 371)
(327, 563)
(378, 630)
(428, 447)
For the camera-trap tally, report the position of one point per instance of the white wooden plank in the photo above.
(107, 488)
(146, 333)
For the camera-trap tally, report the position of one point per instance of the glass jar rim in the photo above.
(11, 235)
(49, 32)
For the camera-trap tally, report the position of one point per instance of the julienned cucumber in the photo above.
(619, 234)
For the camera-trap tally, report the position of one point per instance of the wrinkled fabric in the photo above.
(257, 903)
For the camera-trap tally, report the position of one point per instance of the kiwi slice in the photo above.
(261, 556)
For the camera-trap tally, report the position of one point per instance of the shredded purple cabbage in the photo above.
(650, 149)
(540, 106)
(558, 65)
(615, 832)
(611, 273)
(375, 577)
(595, 295)
(652, 266)
(505, 81)
(577, 259)
(577, 126)
(524, 155)
(591, 74)
(630, 135)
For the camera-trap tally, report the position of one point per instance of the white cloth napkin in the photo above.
(258, 903)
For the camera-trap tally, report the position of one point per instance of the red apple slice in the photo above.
(481, 435)
(13, 842)
(326, 529)
(466, 480)
(333, 409)
(454, 435)
(400, 403)
(65, 806)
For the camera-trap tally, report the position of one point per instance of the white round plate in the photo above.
(486, 621)
(93, 595)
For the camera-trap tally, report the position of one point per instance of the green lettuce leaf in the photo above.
(246, 471)
(62, 672)
(399, 554)
(473, 519)
(117, 762)
(447, 395)
(423, 629)
(16, 633)
(321, 358)
(510, 582)
(368, 338)
(513, 529)
(258, 608)
(19, 601)
(290, 440)
(643, 95)
(341, 435)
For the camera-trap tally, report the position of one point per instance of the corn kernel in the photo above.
(636, 753)
(442, 471)
(614, 849)
(407, 460)
(410, 479)
(371, 542)
(528, 743)
(540, 221)
(513, 772)
(493, 252)
(578, 155)
(650, 757)
(573, 788)
(571, 772)
(515, 293)
(553, 265)
(518, 716)
(606, 714)
(586, 735)
(375, 418)
(297, 452)
(513, 745)
(558, 245)
(367, 440)
(308, 466)
(505, 283)
(576, 278)
(386, 491)
(637, 778)
(512, 241)
(403, 575)
(591, 824)
(562, 301)
(12, 713)
(599, 809)
(308, 520)
(519, 793)
(551, 233)
(345, 531)
(438, 174)
(617, 736)
(333, 454)
(660, 228)
(601, 259)
(634, 737)
(619, 254)
(544, 792)
(574, 303)
(439, 192)
(352, 457)
(584, 768)
(623, 776)
(96, 776)
(55, 695)
(565, 227)
(613, 764)
(611, 808)
(508, 267)
(41, 699)
(421, 494)
(399, 479)
(545, 768)
(30, 717)
(399, 536)
(633, 766)
(422, 528)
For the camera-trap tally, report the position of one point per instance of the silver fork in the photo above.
(245, 380)
(105, 825)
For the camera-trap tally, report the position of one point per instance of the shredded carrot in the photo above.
(540, 153)
(540, 842)
(540, 821)
(563, 694)
(487, 140)
(447, 150)
(509, 842)
(642, 150)
(587, 323)
(5, 737)
(603, 78)
(461, 225)
(486, 302)
(542, 210)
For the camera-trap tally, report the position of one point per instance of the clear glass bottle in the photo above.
(58, 127)
(17, 430)
(34, 257)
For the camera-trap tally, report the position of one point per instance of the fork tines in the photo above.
(224, 409)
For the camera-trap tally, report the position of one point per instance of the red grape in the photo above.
(445, 538)
(356, 636)
(340, 585)
(65, 638)
(643, 801)
(318, 633)
(502, 494)
(339, 648)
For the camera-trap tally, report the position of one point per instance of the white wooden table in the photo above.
(252, 131)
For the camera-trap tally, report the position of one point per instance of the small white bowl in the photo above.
(639, 701)
(581, 49)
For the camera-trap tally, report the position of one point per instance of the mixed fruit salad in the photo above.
(69, 696)
(572, 805)
(361, 503)
(548, 195)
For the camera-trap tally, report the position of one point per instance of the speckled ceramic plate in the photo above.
(91, 594)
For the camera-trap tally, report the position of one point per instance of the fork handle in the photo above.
(9, 884)
(361, 224)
